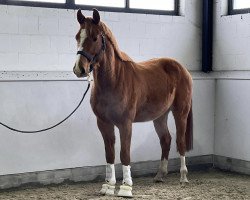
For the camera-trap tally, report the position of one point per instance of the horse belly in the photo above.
(152, 110)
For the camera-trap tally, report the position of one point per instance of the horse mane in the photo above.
(121, 55)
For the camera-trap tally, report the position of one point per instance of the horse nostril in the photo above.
(82, 70)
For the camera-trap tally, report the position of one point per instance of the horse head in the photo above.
(90, 43)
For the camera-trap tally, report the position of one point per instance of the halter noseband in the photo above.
(91, 58)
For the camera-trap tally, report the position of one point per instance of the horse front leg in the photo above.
(125, 139)
(107, 131)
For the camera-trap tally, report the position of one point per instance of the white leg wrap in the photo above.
(183, 170)
(126, 187)
(127, 175)
(164, 166)
(163, 170)
(109, 187)
(110, 174)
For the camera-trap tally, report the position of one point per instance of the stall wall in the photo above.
(42, 39)
(231, 55)
(232, 119)
(78, 142)
(231, 39)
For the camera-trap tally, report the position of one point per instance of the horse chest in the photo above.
(110, 109)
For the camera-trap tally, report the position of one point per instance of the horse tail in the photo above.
(189, 130)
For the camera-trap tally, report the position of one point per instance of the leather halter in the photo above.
(92, 59)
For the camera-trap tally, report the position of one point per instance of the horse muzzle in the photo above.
(79, 71)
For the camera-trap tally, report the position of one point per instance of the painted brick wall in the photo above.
(42, 39)
(77, 142)
(231, 39)
(231, 52)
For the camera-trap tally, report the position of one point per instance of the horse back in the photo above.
(160, 80)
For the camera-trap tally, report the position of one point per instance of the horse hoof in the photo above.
(184, 176)
(158, 179)
(107, 189)
(125, 191)
(184, 180)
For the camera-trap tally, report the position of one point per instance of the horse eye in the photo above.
(94, 39)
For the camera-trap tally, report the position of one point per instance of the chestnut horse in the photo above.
(124, 92)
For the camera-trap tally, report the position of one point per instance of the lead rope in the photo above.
(51, 127)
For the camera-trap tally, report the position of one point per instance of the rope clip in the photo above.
(89, 78)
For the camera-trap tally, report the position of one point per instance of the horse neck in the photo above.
(110, 69)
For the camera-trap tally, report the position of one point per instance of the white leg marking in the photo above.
(183, 170)
(126, 187)
(109, 187)
(163, 170)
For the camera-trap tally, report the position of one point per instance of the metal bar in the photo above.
(176, 7)
(127, 4)
(230, 7)
(207, 35)
(70, 3)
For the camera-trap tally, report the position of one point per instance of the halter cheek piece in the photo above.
(92, 59)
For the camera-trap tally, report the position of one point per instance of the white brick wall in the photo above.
(231, 43)
(9, 59)
(28, 25)
(9, 24)
(5, 42)
(231, 52)
(43, 39)
(48, 26)
(20, 43)
(77, 142)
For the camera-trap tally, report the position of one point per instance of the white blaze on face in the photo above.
(83, 36)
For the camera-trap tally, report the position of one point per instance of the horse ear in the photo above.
(96, 16)
(80, 17)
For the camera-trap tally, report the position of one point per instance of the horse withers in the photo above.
(124, 92)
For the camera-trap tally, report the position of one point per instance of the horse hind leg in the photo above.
(183, 118)
(162, 131)
(180, 142)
